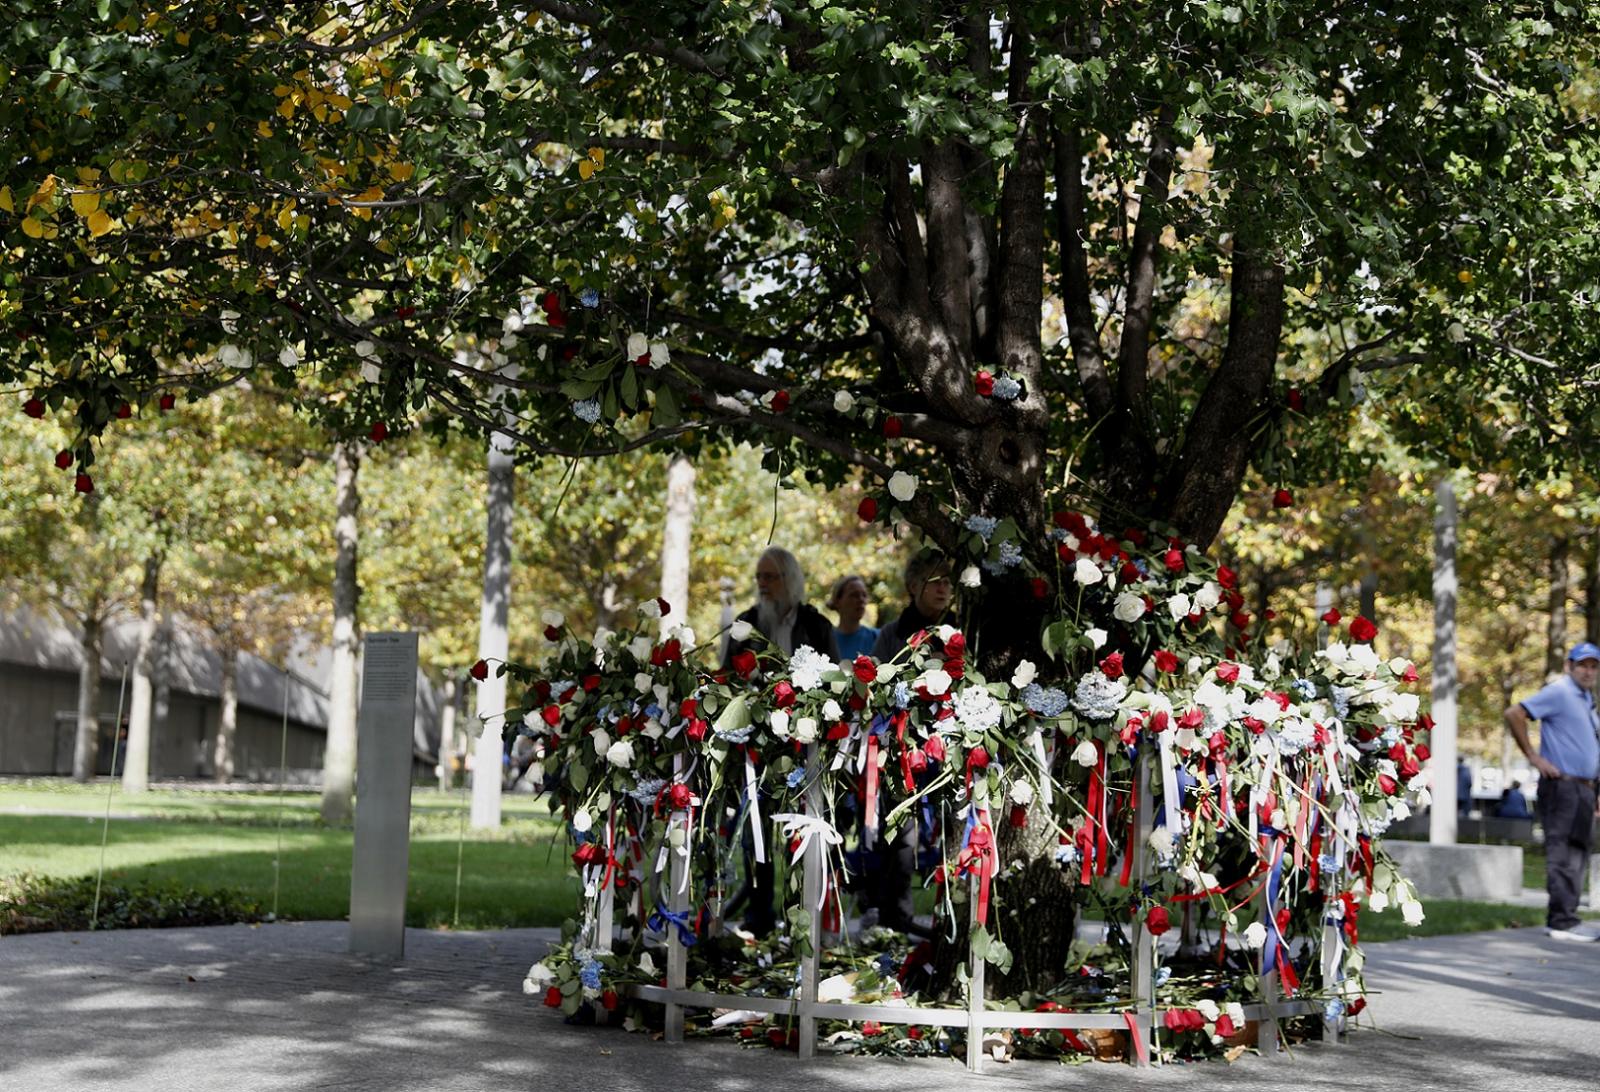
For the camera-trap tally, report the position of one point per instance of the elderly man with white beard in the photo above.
(787, 622)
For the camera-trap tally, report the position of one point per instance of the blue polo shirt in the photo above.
(1567, 727)
(855, 644)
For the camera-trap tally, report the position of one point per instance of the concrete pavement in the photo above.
(247, 1008)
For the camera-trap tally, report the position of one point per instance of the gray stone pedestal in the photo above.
(1484, 873)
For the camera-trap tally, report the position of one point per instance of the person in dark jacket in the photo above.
(931, 591)
(782, 616)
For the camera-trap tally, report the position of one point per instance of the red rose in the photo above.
(934, 749)
(591, 682)
(608, 1000)
(1225, 1026)
(551, 715)
(63, 459)
(552, 633)
(1228, 671)
(552, 997)
(891, 427)
(167, 402)
(978, 758)
(777, 1037)
(867, 509)
(696, 730)
(551, 301)
(1332, 616)
(1388, 784)
(1160, 721)
(33, 407)
(1254, 725)
(1410, 674)
(983, 383)
(865, 669)
(665, 607)
(1192, 718)
(1129, 573)
(744, 662)
(1356, 1006)
(1040, 587)
(1361, 629)
(1157, 921)
(379, 432)
(1166, 661)
(587, 854)
(124, 411)
(1282, 499)
(913, 1033)
(1174, 560)
(404, 312)
(1111, 666)
(916, 761)
(783, 695)
(955, 645)
(1227, 577)
(1019, 816)
(679, 796)
(83, 483)
(1423, 753)
(871, 1028)
(688, 707)
(1240, 619)
(780, 401)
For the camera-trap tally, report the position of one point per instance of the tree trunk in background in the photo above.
(86, 746)
(136, 763)
(223, 753)
(1560, 584)
(675, 541)
(1442, 740)
(339, 758)
(493, 637)
(1591, 590)
(447, 732)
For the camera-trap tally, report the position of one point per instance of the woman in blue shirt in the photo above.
(849, 600)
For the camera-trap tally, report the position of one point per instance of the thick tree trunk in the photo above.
(339, 758)
(223, 752)
(136, 761)
(676, 537)
(86, 745)
(493, 638)
(1560, 585)
(1442, 817)
(447, 732)
(1591, 590)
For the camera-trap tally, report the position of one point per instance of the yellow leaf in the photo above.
(265, 241)
(599, 156)
(85, 203)
(88, 175)
(283, 90)
(5, 199)
(585, 169)
(286, 217)
(99, 223)
(32, 228)
(1465, 276)
(183, 37)
(286, 108)
(402, 172)
(264, 130)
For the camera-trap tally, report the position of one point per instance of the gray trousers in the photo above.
(1566, 810)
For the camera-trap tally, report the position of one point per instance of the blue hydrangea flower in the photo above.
(589, 974)
(796, 775)
(1045, 703)
(1007, 389)
(1010, 557)
(1305, 688)
(1162, 974)
(1341, 701)
(902, 695)
(1067, 854)
(1097, 697)
(1333, 1010)
(590, 298)
(587, 410)
(983, 526)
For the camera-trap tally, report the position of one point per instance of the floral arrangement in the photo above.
(1272, 773)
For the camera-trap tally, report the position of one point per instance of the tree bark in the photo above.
(223, 752)
(1591, 590)
(676, 539)
(86, 745)
(339, 757)
(1442, 740)
(1555, 656)
(493, 637)
(136, 760)
(447, 733)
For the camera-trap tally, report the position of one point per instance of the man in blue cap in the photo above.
(1568, 761)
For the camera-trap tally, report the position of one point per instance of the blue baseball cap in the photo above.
(1585, 650)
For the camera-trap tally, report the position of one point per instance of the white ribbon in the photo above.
(1046, 783)
(1169, 787)
(806, 827)
(755, 809)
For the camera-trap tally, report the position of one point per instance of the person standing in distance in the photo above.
(1568, 761)
(849, 601)
(781, 613)
(931, 591)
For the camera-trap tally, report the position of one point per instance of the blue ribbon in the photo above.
(1269, 950)
(661, 917)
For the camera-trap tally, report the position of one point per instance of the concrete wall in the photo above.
(1481, 872)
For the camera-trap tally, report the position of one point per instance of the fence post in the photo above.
(678, 902)
(1142, 972)
(975, 985)
(811, 893)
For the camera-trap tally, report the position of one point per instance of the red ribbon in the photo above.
(1102, 852)
(872, 781)
(978, 859)
(906, 772)
(1133, 833)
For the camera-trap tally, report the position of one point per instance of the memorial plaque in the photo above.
(383, 795)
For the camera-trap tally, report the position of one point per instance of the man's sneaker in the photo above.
(1573, 934)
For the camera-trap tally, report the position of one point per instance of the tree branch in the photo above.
(1081, 332)
(949, 265)
(1133, 355)
(596, 17)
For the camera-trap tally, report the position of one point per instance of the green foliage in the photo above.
(43, 904)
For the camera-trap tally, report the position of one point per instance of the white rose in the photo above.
(935, 682)
(230, 321)
(740, 631)
(365, 348)
(1194, 666)
(638, 345)
(229, 355)
(1456, 332)
(1378, 902)
(1129, 607)
(1097, 637)
(1085, 755)
(640, 647)
(843, 401)
(510, 341)
(601, 740)
(831, 710)
(1160, 841)
(684, 635)
(1021, 792)
(1255, 935)
(288, 357)
(971, 577)
(1209, 595)
(620, 753)
(1087, 572)
(1024, 674)
(1179, 607)
(538, 979)
(642, 682)
(780, 723)
(1208, 1008)
(553, 618)
(805, 730)
(582, 820)
(659, 355)
(371, 372)
(1363, 657)
(511, 323)
(902, 486)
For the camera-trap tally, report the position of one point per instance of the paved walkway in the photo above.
(247, 1008)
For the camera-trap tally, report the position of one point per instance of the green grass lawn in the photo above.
(519, 875)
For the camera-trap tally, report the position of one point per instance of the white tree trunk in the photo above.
(493, 637)
(675, 541)
(136, 761)
(447, 732)
(1560, 585)
(86, 745)
(1442, 817)
(339, 757)
(223, 747)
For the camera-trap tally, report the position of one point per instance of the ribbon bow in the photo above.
(661, 917)
(806, 827)
(978, 858)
